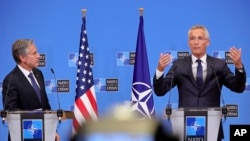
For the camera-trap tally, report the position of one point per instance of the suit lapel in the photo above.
(38, 78)
(209, 69)
(190, 71)
(27, 84)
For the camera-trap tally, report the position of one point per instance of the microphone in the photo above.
(59, 111)
(3, 115)
(169, 108)
(224, 108)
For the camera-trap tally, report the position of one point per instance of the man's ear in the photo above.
(208, 42)
(21, 57)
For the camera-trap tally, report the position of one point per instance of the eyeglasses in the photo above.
(200, 38)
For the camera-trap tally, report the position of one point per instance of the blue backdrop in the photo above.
(112, 27)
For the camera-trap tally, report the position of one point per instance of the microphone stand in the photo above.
(59, 111)
(224, 108)
(4, 112)
(168, 110)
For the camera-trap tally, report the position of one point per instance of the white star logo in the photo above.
(140, 99)
(32, 129)
(195, 126)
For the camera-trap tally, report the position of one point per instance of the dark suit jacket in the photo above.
(18, 93)
(218, 74)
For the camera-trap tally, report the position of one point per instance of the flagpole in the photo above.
(141, 11)
(84, 12)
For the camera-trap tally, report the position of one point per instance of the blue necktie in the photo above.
(199, 76)
(35, 86)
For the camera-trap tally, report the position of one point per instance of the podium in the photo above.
(34, 125)
(195, 123)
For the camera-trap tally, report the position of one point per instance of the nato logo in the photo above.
(142, 99)
(106, 84)
(125, 58)
(177, 55)
(32, 129)
(195, 127)
(223, 55)
(100, 84)
(219, 54)
(72, 59)
(50, 86)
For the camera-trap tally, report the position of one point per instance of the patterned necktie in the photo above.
(199, 76)
(35, 86)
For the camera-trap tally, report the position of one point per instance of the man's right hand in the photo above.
(164, 61)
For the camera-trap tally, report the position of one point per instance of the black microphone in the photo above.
(169, 108)
(59, 111)
(224, 108)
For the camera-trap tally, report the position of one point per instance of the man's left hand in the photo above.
(235, 55)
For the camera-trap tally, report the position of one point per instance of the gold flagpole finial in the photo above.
(84, 12)
(141, 11)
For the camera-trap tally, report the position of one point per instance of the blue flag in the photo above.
(142, 98)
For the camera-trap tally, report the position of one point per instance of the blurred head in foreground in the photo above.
(122, 125)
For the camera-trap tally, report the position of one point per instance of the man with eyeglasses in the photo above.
(200, 77)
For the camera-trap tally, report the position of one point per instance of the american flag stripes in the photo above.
(142, 98)
(85, 107)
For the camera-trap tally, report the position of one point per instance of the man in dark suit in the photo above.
(213, 73)
(18, 92)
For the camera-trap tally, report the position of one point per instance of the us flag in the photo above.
(142, 98)
(85, 107)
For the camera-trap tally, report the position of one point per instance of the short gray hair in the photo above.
(20, 47)
(199, 27)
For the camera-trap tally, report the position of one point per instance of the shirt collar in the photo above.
(24, 71)
(203, 58)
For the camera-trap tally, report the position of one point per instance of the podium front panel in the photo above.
(38, 126)
(210, 116)
(32, 127)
